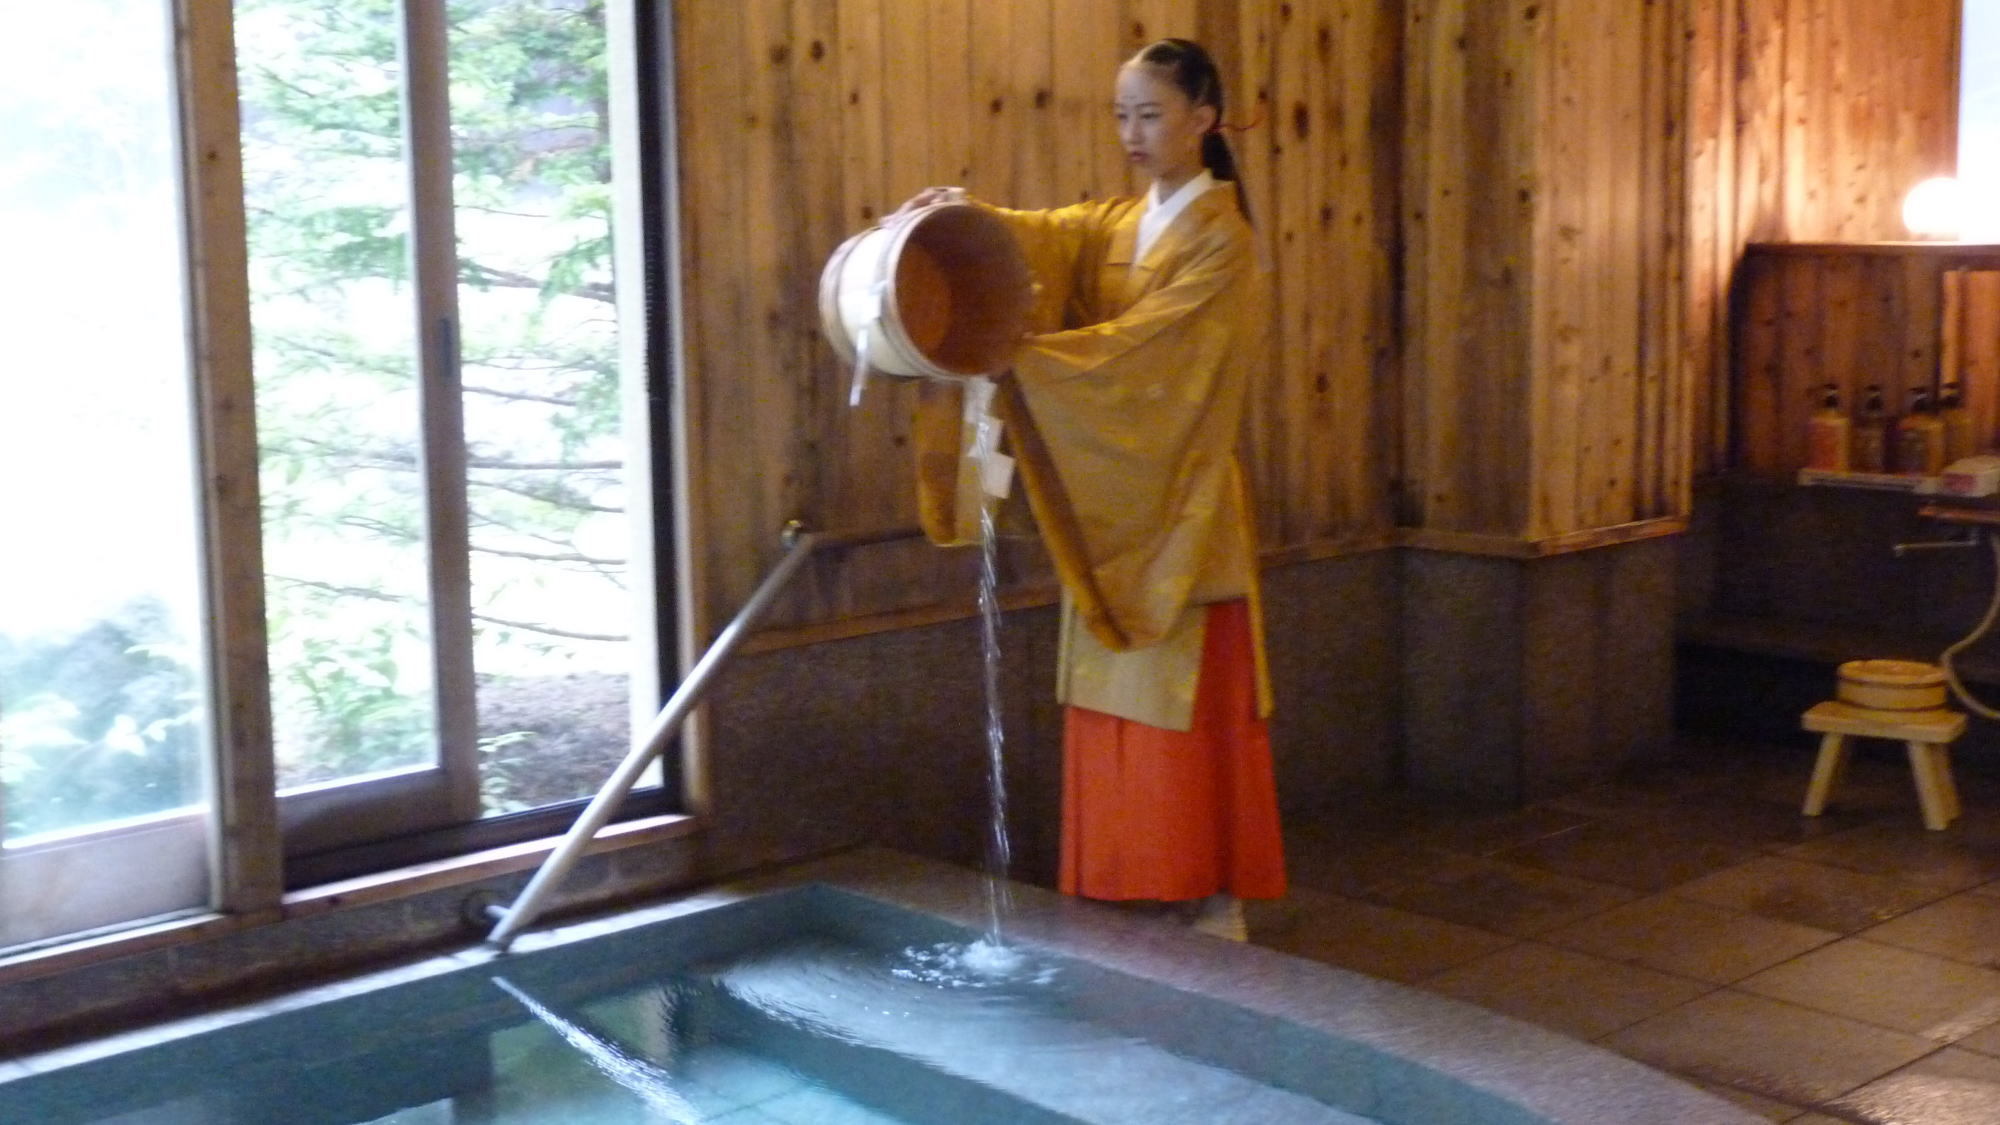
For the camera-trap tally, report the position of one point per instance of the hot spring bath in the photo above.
(794, 999)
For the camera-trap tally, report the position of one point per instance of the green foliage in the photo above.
(360, 717)
(507, 770)
(100, 725)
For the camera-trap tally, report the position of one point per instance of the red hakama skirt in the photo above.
(1174, 815)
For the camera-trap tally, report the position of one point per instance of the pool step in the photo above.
(1008, 1057)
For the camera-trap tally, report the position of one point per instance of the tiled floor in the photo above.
(1840, 968)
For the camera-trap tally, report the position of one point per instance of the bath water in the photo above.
(650, 1082)
(787, 1009)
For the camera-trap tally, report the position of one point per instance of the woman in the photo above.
(1123, 410)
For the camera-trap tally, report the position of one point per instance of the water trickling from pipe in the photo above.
(650, 1082)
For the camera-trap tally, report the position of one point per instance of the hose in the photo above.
(1985, 624)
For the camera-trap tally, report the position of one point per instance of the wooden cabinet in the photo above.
(1899, 315)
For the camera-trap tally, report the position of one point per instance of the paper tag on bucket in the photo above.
(996, 475)
(860, 382)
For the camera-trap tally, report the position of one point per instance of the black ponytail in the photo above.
(1195, 74)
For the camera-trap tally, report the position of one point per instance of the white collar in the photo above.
(1160, 215)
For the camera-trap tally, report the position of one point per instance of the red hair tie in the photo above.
(1253, 123)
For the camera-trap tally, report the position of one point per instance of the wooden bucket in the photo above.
(1892, 685)
(943, 292)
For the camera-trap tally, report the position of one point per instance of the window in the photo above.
(103, 716)
(1979, 118)
(442, 577)
(438, 399)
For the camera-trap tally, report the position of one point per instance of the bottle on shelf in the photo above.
(1871, 434)
(1829, 437)
(1957, 423)
(1920, 437)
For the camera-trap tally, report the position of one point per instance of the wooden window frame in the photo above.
(246, 839)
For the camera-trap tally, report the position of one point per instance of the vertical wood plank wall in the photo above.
(1503, 233)
(1543, 243)
(1807, 122)
(1472, 95)
(803, 120)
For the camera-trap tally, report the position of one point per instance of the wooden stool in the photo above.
(1928, 734)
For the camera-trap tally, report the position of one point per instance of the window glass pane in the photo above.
(1979, 119)
(103, 720)
(325, 190)
(549, 532)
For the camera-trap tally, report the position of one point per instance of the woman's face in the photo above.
(1159, 127)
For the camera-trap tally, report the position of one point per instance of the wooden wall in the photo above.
(1503, 236)
(1807, 121)
(1897, 317)
(803, 120)
(1323, 169)
(1543, 239)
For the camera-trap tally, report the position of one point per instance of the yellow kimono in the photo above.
(1123, 413)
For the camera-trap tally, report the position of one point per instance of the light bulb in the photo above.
(1935, 208)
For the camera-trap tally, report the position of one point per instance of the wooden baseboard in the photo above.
(76, 953)
(1471, 543)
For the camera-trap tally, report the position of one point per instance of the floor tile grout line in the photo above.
(1879, 846)
(1839, 935)
(1823, 1106)
(1424, 981)
(1832, 1108)
(1740, 1089)
(1712, 990)
(1810, 1006)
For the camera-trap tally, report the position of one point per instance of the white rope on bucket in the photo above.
(860, 369)
(875, 294)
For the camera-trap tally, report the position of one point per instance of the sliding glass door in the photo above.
(430, 195)
(104, 711)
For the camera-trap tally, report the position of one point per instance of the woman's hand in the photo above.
(925, 198)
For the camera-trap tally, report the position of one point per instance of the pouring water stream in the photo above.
(999, 853)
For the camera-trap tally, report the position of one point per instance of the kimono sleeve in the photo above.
(1126, 430)
(1057, 244)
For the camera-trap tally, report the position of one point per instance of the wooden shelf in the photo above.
(1876, 482)
(1984, 255)
(1892, 317)
(1986, 515)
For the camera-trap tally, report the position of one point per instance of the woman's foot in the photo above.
(1222, 916)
